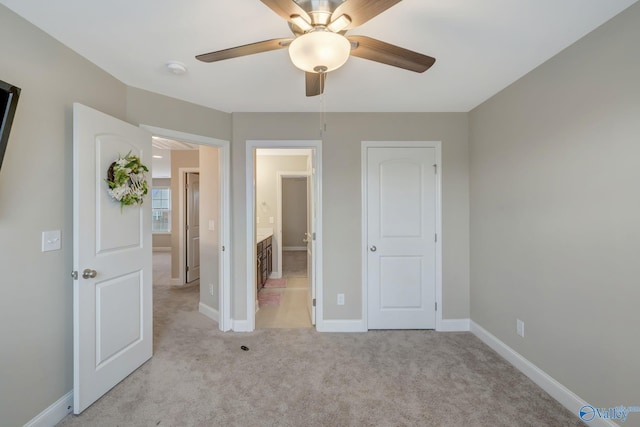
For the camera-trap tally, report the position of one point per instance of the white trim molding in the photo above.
(454, 325)
(54, 413)
(241, 326)
(355, 325)
(559, 392)
(209, 311)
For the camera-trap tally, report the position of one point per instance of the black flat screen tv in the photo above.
(9, 95)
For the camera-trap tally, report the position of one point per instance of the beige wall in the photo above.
(179, 159)
(267, 168)
(36, 335)
(152, 109)
(341, 188)
(555, 204)
(294, 212)
(209, 239)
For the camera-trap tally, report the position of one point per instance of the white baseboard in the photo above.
(294, 248)
(240, 325)
(176, 282)
(209, 311)
(559, 392)
(54, 413)
(162, 249)
(356, 325)
(275, 275)
(454, 325)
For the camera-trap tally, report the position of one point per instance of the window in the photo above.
(161, 210)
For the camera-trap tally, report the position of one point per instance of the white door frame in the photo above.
(224, 289)
(250, 243)
(279, 176)
(365, 250)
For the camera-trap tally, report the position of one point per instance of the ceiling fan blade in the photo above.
(360, 11)
(286, 9)
(315, 83)
(247, 49)
(385, 53)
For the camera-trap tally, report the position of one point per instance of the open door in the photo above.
(192, 226)
(310, 237)
(112, 290)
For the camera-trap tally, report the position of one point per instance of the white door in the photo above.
(401, 227)
(193, 227)
(112, 296)
(310, 236)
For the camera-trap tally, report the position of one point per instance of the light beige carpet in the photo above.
(299, 377)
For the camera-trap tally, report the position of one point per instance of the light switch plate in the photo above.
(51, 240)
(212, 225)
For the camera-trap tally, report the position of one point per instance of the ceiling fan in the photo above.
(320, 44)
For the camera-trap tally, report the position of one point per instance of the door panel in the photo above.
(112, 304)
(119, 307)
(400, 282)
(401, 221)
(128, 234)
(400, 199)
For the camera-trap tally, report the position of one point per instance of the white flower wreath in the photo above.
(127, 181)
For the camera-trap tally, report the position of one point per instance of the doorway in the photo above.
(208, 195)
(269, 164)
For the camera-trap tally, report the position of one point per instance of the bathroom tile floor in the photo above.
(292, 311)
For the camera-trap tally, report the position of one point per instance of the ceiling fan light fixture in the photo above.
(319, 51)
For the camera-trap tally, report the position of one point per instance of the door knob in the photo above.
(373, 249)
(89, 274)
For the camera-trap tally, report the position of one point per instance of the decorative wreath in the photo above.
(126, 180)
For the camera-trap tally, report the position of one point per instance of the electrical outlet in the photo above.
(340, 299)
(211, 288)
(520, 327)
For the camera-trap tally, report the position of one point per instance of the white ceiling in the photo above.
(480, 47)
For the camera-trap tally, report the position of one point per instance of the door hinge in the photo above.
(74, 275)
(436, 238)
(313, 303)
(435, 169)
(187, 268)
(223, 249)
(436, 306)
(313, 236)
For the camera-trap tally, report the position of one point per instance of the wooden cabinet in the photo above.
(264, 259)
